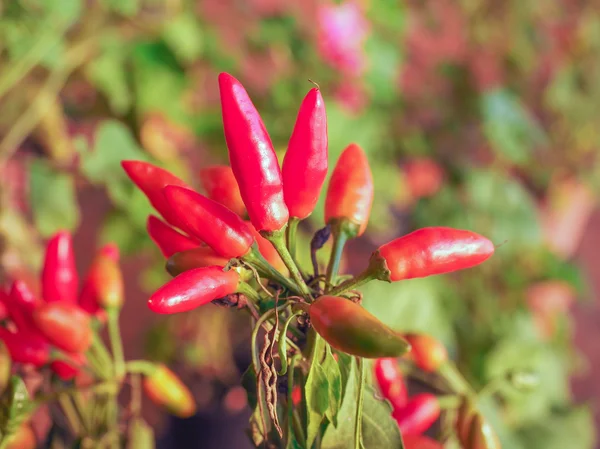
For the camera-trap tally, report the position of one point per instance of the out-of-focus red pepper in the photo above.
(24, 347)
(430, 251)
(252, 157)
(221, 186)
(211, 222)
(305, 163)
(168, 240)
(391, 382)
(420, 442)
(427, 352)
(3, 309)
(350, 191)
(101, 281)
(164, 388)
(66, 370)
(23, 438)
(419, 413)
(349, 328)
(65, 325)
(194, 288)
(20, 304)
(267, 250)
(151, 180)
(59, 275)
(200, 257)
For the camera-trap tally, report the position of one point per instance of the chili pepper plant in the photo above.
(313, 344)
(55, 336)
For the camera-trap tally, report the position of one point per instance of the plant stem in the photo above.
(70, 413)
(291, 235)
(102, 387)
(449, 401)
(352, 284)
(140, 367)
(455, 379)
(103, 356)
(255, 258)
(249, 292)
(359, 405)
(276, 238)
(339, 241)
(116, 342)
(257, 326)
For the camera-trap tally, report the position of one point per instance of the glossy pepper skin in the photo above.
(168, 239)
(59, 275)
(427, 352)
(350, 190)
(65, 325)
(349, 328)
(221, 186)
(472, 430)
(164, 388)
(20, 304)
(26, 348)
(200, 257)
(391, 382)
(252, 157)
(151, 179)
(430, 251)
(211, 222)
(305, 163)
(194, 288)
(419, 413)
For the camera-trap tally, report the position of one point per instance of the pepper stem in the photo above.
(116, 342)
(276, 238)
(351, 284)
(340, 237)
(248, 291)
(255, 258)
(359, 405)
(290, 235)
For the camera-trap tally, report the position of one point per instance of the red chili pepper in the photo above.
(296, 395)
(23, 438)
(193, 289)
(151, 180)
(221, 186)
(164, 388)
(21, 303)
(200, 257)
(252, 157)
(391, 382)
(3, 309)
(65, 325)
(350, 191)
(101, 281)
(267, 250)
(420, 442)
(349, 328)
(211, 222)
(108, 279)
(168, 240)
(427, 352)
(24, 347)
(419, 413)
(59, 275)
(66, 370)
(430, 251)
(305, 163)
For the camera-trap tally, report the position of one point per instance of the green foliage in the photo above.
(53, 199)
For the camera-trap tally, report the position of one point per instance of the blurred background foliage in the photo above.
(475, 114)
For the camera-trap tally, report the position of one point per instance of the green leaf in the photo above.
(113, 143)
(249, 384)
(282, 344)
(511, 130)
(342, 436)
(141, 435)
(334, 380)
(53, 199)
(14, 405)
(379, 429)
(316, 392)
(124, 7)
(184, 36)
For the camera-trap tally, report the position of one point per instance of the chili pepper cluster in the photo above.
(55, 327)
(215, 255)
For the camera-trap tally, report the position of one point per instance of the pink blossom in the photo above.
(342, 31)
